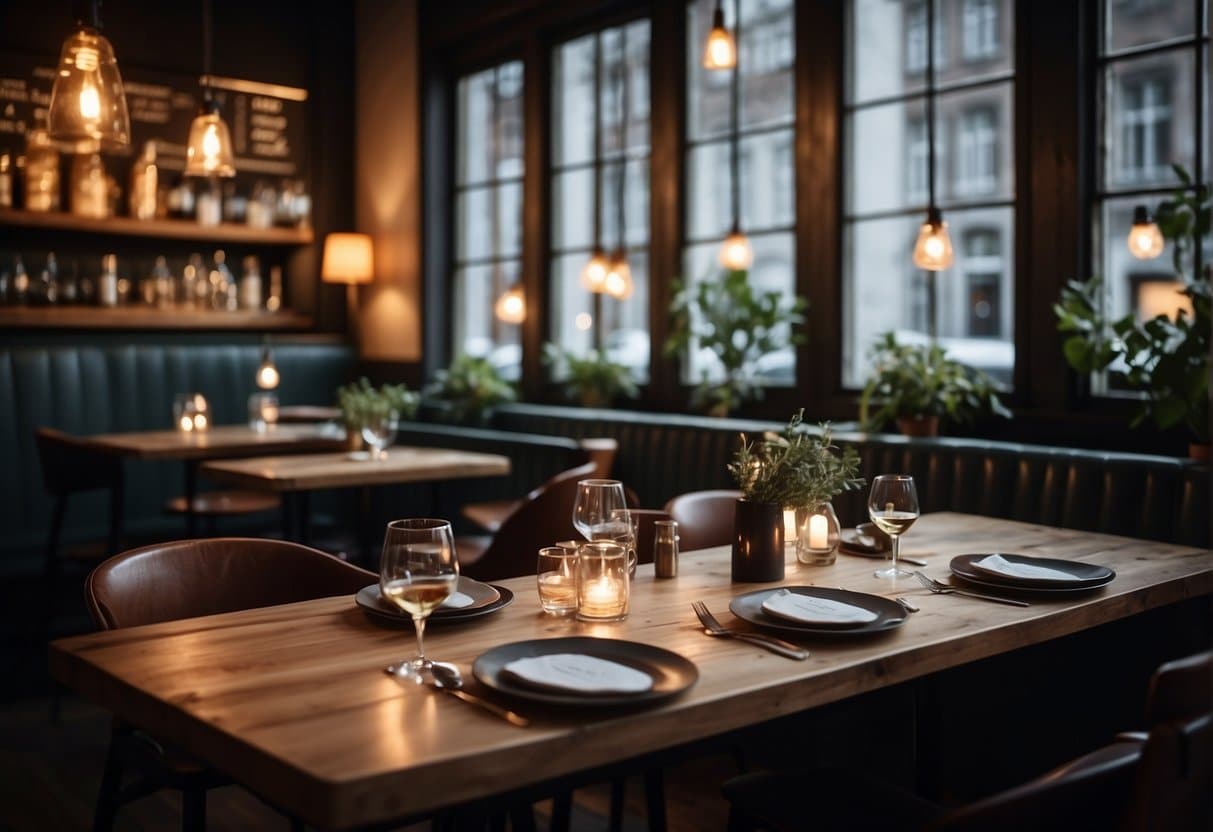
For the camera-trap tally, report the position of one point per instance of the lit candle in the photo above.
(200, 422)
(789, 525)
(602, 597)
(187, 423)
(558, 591)
(819, 532)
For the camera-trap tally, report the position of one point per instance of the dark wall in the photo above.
(299, 44)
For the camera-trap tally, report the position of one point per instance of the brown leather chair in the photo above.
(186, 579)
(705, 518)
(1173, 790)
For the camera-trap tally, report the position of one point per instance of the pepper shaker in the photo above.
(665, 548)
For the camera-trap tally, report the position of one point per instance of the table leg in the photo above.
(288, 519)
(305, 519)
(362, 517)
(191, 491)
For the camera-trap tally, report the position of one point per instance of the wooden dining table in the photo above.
(292, 701)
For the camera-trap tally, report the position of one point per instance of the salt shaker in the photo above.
(665, 548)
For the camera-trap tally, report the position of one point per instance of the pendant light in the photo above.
(933, 249)
(720, 50)
(593, 274)
(88, 103)
(511, 306)
(618, 283)
(267, 371)
(209, 149)
(735, 252)
(1145, 239)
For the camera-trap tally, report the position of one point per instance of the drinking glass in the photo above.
(418, 572)
(623, 527)
(556, 575)
(893, 507)
(379, 429)
(596, 500)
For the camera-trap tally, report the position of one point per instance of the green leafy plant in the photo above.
(795, 467)
(360, 400)
(918, 380)
(739, 326)
(594, 379)
(471, 387)
(1166, 360)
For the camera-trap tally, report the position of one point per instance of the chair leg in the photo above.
(107, 795)
(654, 798)
(562, 812)
(193, 809)
(615, 822)
(522, 818)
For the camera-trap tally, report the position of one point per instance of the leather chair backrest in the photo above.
(705, 518)
(1181, 689)
(545, 518)
(190, 578)
(1173, 791)
(71, 466)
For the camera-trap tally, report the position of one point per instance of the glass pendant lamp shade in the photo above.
(720, 50)
(209, 152)
(594, 273)
(511, 306)
(735, 251)
(1145, 239)
(933, 250)
(267, 372)
(88, 103)
(618, 282)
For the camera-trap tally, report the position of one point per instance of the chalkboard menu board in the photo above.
(267, 121)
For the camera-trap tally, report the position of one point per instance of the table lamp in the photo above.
(349, 259)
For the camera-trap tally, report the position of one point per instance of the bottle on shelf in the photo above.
(41, 172)
(69, 285)
(6, 180)
(89, 187)
(209, 204)
(235, 204)
(6, 282)
(260, 211)
(145, 184)
(301, 205)
(274, 302)
(162, 279)
(250, 284)
(223, 284)
(107, 282)
(45, 291)
(180, 200)
(20, 290)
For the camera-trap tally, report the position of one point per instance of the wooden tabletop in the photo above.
(307, 472)
(220, 441)
(292, 700)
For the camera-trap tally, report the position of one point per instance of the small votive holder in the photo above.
(817, 540)
(262, 411)
(191, 413)
(556, 574)
(602, 582)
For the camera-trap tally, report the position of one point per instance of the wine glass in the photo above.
(418, 572)
(893, 507)
(379, 428)
(596, 500)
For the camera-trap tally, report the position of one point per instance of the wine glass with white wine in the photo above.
(893, 507)
(418, 571)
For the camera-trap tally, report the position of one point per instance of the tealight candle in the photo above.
(819, 535)
(819, 532)
(602, 582)
(191, 413)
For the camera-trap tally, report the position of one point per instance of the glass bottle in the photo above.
(6, 180)
(260, 212)
(166, 293)
(223, 284)
(250, 284)
(181, 200)
(41, 172)
(69, 285)
(145, 184)
(209, 205)
(274, 302)
(89, 188)
(47, 289)
(235, 204)
(20, 290)
(107, 283)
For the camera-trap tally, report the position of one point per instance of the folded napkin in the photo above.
(457, 601)
(1002, 566)
(579, 674)
(813, 609)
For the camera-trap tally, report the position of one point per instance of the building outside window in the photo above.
(977, 157)
(983, 270)
(979, 20)
(488, 213)
(1145, 127)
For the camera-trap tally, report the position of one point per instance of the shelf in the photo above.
(157, 229)
(146, 318)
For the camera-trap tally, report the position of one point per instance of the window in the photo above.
(488, 213)
(916, 39)
(980, 28)
(1152, 98)
(886, 142)
(581, 320)
(766, 117)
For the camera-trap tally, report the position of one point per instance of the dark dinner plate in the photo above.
(1086, 575)
(671, 673)
(889, 613)
(384, 612)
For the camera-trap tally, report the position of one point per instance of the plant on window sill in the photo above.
(593, 380)
(1165, 360)
(739, 326)
(470, 388)
(920, 388)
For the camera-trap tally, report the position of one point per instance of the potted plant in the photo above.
(360, 401)
(1166, 360)
(737, 325)
(919, 387)
(789, 470)
(470, 388)
(594, 380)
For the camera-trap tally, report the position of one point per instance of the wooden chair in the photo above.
(705, 518)
(210, 506)
(185, 579)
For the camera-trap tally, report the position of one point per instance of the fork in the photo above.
(714, 628)
(940, 588)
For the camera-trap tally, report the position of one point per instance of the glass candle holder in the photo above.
(817, 538)
(191, 413)
(262, 411)
(602, 582)
(556, 575)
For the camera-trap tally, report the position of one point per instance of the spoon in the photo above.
(447, 678)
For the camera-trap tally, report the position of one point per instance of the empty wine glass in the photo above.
(379, 428)
(596, 500)
(893, 507)
(418, 571)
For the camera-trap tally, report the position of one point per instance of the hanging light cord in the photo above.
(206, 50)
(597, 143)
(735, 119)
(623, 136)
(932, 210)
(494, 205)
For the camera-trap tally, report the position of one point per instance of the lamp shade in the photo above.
(209, 151)
(1145, 238)
(88, 103)
(348, 258)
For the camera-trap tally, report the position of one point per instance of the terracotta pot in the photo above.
(1199, 451)
(919, 426)
(353, 439)
(757, 542)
